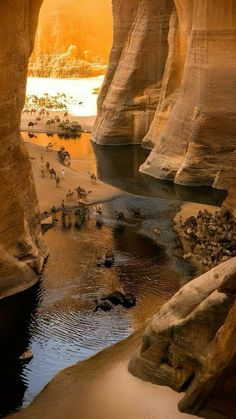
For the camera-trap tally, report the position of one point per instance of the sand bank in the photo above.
(102, 388)
(49, 194)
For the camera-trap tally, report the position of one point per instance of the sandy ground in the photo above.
(49, 194)
(102, 388)
(187, 210)
(86, 122)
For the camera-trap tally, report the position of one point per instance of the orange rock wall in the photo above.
(71, 35)
(22, 250)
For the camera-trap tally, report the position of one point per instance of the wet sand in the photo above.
(102, 388)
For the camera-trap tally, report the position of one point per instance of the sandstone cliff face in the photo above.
(132, 86)
(73, 38)
(22, 250)
(190, 344)
(191, 121)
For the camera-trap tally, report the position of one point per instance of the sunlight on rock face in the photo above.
(70, 39)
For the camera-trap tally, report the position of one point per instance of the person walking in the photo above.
(58, 180)
(63, 174)
(54, 214)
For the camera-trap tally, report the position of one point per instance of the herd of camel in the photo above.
(62, 125)
(210, 236)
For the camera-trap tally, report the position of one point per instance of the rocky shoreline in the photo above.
(206, 235)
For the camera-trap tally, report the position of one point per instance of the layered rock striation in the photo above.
(187, 110)
(22, 250)
(190, 344)
(71, 40)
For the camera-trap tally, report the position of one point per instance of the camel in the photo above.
(52, 173)
(93, 177)
(31, 124)
(31, 135)
(69, 195)
(136, 213)
(120, 216)
(50, 146)
(157, 231)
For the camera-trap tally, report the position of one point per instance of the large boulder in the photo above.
(190, 343)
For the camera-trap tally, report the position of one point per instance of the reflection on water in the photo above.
(63, 329)
(15, 334)
(119, 165)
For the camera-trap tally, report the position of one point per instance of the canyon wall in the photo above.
(190, 344)
(131, 90)
(186, 108)
(22, 250)
(73, 39)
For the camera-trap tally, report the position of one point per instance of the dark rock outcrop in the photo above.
(115, 298)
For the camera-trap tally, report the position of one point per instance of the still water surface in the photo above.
(56, 319)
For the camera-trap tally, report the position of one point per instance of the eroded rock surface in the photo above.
(190, 344)
(22, 250)
(183, 105)
(73, 39)
(132, 87)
